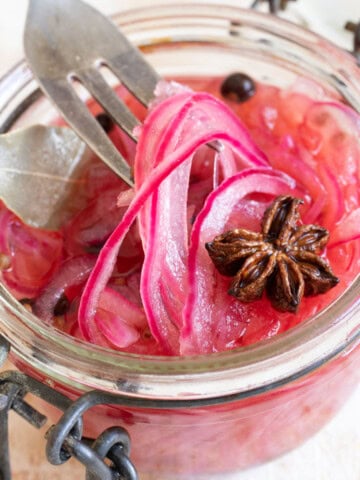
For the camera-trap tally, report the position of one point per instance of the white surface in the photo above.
(334, 454)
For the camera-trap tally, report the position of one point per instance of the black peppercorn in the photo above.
(105, 121)
(62, 306)
(238, 87)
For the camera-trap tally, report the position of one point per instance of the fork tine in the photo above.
(134, 72)
(93, 80)
(77, 115)
(58, 47)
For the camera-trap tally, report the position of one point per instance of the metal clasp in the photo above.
(64, 440)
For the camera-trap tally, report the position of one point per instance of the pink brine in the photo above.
(132, 265)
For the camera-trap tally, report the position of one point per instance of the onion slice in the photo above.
(216, 122)
(119, 320)
(347, 230)
(73, 272)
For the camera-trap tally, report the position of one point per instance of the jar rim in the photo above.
(245, 371)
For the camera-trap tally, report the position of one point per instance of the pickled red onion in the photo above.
(34, 255)
(174, 274)
(73, 272)
(118, 319)
(347, 231)
(218, 123)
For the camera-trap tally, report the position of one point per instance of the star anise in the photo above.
(283, 259)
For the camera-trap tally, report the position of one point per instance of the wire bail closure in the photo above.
(64, 440)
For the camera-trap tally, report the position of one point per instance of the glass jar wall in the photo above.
(227, 411)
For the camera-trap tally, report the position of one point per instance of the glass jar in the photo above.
(228, 411)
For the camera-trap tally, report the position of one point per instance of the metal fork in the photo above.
(67, 40)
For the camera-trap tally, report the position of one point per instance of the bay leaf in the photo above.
(38, 168)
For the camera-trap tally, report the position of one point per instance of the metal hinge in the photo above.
(64, 440)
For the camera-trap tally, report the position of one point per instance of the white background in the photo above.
(334, 454)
